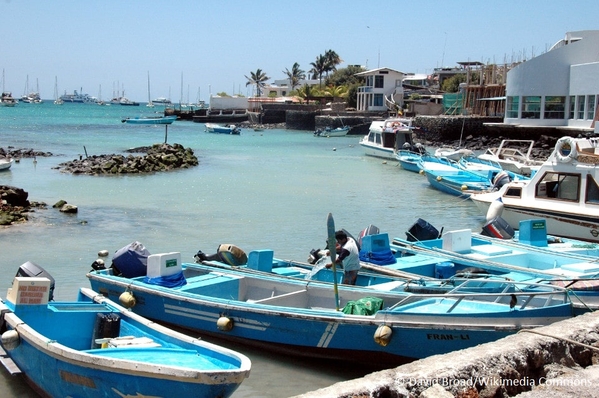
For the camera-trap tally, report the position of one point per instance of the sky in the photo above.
(191, 47)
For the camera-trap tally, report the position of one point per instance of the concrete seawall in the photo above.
(525, 365)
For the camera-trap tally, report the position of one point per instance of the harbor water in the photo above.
(270, 189)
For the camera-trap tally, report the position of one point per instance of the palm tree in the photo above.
(306, 92)
(336, 91)
(295, 75)
(258, 78)
(331, 61)
(318, 67)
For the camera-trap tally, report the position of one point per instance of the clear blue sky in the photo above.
(214, 44)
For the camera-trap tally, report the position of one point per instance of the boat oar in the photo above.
(332, 250)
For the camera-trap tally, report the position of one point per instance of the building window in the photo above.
(531, 107)
(572, 107)
(378, 100)
(554, 107)
(513, 104)
(580, 107)
(379, 81)
(591, 107)
(369, 80)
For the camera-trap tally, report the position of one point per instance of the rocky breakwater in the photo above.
(159, 157)
(559, 360)
(15, 206)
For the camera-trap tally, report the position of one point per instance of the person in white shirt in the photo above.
(349, 257)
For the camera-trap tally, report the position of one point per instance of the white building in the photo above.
(381, 84)
(559, 87)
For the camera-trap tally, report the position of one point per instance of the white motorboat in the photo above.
(386, 137)
(5, 163)
(564, 191)
(510, 156)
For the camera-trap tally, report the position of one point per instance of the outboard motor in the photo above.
(422, 230)
(501, 179)
(32, 270)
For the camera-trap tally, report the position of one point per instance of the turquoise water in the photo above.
(270, 189)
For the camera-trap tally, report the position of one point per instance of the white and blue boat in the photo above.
(461, 254)
(94, 347)
(446, 176)
(309, 318)
(150, 120)
(386, 137)
(220, 129)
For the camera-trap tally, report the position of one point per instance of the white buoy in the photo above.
(225, 324)
(382, 335)
(10, 339)
(495, 209)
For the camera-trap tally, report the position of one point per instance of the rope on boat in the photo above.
(559, 338)
(570, 291)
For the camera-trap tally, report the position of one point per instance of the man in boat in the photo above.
(349, 257)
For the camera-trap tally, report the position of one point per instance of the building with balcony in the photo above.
(382, 85)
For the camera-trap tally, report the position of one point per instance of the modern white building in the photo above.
(559, 87)
(381, 84)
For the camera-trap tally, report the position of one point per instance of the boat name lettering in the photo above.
(77, 379)
(435, 336)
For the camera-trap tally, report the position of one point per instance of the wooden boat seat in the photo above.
(131, 342)
(583, 268)
(291, 299)
(387, 286)
(490, 250)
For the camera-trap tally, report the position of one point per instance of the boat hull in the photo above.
(151, 120)
(59, 361)
(559, 221)
(315, 331)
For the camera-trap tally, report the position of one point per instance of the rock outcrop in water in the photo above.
(14, 205)
(159, 157)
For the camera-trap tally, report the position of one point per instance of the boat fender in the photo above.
(464, 187)
(565, 150)
(127, 299)
(10, 339)
(382, 336)
(439, 178)
(232, 255)
(225, 324)
(495, 209)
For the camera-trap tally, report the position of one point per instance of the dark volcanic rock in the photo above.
(14, 205)
(159, 157)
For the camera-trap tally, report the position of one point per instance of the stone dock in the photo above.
(559, 360)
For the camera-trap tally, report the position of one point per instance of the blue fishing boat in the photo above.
(447, 177)
(150, 120)
(461, 254)
(409, 160)
(309, 318)
(220, 129)
(94, 347)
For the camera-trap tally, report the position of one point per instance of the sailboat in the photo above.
(57, 99)
(6, 99)
(150, 103)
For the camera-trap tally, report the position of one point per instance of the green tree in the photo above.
(346, 76)
(335, 91)
(295, 75)
(331, 61)
(306, 92)
(452, 84)
(318, 68)
(258, 78)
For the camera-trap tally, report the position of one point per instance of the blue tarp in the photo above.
(383, 257)
(174, 280)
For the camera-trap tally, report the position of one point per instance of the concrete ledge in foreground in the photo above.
(525, 365)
